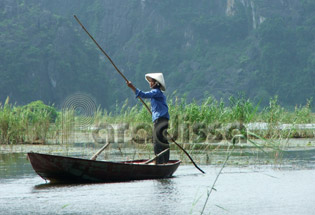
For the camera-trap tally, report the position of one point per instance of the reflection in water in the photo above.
(163, 192)
(167, 189)
(14, 164)
(300, 155)
(49, 186)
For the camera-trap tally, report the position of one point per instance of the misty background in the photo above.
(218, 48)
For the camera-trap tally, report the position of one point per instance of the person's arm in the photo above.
(146, 95)
(141, 94)
(129, 84)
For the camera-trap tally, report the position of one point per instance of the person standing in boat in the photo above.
(160, 115)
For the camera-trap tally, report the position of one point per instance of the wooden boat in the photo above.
(75, 170)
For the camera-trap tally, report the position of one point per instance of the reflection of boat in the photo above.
(71, 170)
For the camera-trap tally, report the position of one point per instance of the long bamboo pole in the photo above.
(124, 77)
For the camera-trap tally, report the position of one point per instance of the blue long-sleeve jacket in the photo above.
(159, 107)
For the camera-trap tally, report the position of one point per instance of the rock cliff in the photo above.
(219, 48)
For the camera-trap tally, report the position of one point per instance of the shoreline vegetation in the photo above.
(210, 121)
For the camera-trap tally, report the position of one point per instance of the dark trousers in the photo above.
(160, 140)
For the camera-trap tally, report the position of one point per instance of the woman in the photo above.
(160, 115)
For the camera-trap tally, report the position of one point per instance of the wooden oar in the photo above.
(100, 151)
(158, 155)
(128, 81)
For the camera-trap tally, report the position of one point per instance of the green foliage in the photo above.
(220, 29)
(211, 111)
(9, 124)
(285, 54)
(197, 45)
(26, 124)
(43, 56)
(274, 112)
(35, 108)
(304, 114)
(242, 110)
(210, 115)
(32, 123)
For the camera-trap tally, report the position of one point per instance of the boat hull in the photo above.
(76, 170)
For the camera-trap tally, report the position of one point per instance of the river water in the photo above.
(277, 188)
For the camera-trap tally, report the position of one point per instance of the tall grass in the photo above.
(36, 122)
(23, 124)
(10, 127)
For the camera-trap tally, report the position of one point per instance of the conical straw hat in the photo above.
(158, 77)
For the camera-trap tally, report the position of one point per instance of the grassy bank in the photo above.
(32, 123)
(210, 120)
(218, 120)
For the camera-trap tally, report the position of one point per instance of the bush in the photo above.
(38, 107)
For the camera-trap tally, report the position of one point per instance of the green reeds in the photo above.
(23, 124)
(10, 128)
(207, 121)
